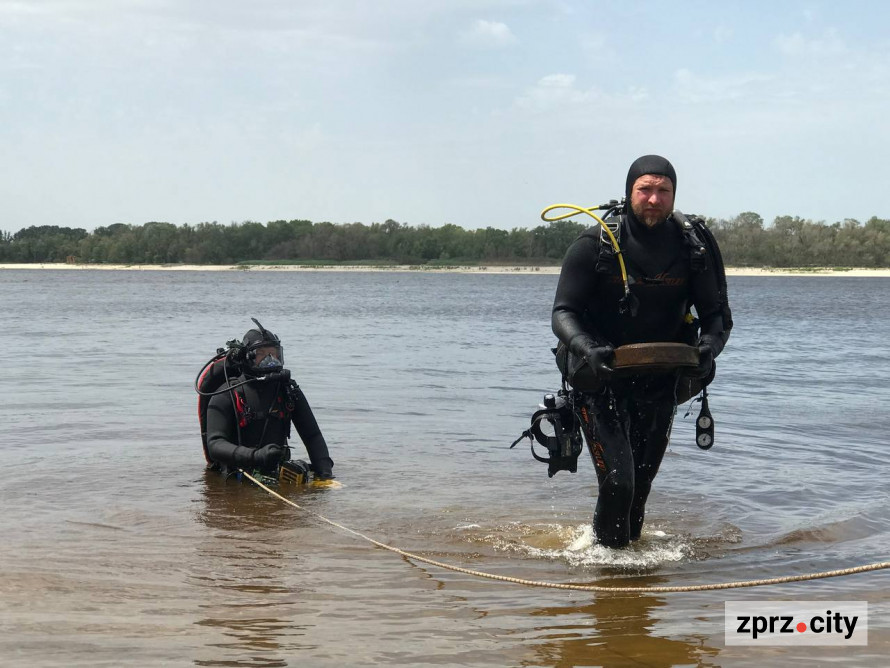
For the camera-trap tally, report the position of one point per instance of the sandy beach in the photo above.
(859, 272)
(467, 269)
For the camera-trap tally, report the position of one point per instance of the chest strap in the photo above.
(247, 414)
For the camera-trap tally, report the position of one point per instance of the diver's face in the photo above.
(267, 350)
(268, 357)
(652, 199)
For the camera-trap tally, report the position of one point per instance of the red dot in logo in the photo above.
(801, 627)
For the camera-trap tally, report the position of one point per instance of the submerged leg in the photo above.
(650, 434)
(605, 431)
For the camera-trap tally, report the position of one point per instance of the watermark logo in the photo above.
(796, 623)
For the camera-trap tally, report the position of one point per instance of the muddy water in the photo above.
(118, 548)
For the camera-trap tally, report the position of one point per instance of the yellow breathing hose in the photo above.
(574, 211)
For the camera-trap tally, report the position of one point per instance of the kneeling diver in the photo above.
(246, 421)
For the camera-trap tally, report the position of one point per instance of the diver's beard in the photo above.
(652, 221)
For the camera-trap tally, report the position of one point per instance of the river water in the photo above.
(118, 548)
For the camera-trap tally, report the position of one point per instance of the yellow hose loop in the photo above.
(579, 587)
(575, 210)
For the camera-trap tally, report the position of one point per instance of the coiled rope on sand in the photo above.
(579, 587)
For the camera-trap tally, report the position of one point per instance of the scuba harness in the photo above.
(564, 445)
(246, 414)
(696, 237)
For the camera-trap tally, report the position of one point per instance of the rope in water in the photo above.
(580, 587)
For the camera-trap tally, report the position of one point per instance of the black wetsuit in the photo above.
(627, 424)
(268, 413)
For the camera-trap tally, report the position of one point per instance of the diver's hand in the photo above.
(705, 361)
(269, 456)
(598, 359)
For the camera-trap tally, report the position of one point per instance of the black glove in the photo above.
(268, 457)
(598, 358)
(705, 361)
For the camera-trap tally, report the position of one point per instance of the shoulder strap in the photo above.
(706, 240)
(720, 270)
(614, 225)
(690, 227)
(293, 393)
(605, 262)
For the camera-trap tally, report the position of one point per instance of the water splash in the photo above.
(575, 545)
(653, 549)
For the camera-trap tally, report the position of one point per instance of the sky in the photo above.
(475, 113)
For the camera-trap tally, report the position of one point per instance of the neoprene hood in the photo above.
(649, 164)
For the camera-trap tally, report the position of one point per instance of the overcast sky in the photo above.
(475, 113)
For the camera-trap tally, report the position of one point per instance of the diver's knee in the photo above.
(617, 488)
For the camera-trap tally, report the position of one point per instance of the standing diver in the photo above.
(247, 405)
(673, 264)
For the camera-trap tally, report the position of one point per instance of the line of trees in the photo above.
(794, 242)
(744, 240)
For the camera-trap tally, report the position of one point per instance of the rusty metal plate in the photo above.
(655, 356)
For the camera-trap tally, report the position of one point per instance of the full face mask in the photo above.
(263, 352)
(266, 358)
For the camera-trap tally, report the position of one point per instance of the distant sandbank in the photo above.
(467, 269)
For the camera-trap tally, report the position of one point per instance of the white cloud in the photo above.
(637, 93)
(557, 81)
(594, 44)
(553, 90)
(696, 89)
(489, 34)
(829, 44)
(723, 34)
(560, 92)
(791, 44)
(15, 9)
